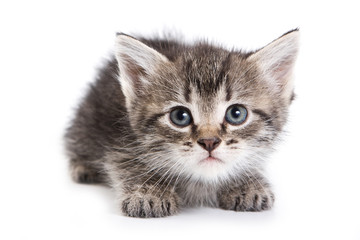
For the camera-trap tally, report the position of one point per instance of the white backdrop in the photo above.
(49, 51)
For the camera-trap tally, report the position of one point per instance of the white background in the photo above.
(48, 54)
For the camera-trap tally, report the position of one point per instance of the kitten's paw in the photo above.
(83, 174)
(147, 205)
(247, 198)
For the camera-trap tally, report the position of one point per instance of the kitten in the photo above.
(169, 125)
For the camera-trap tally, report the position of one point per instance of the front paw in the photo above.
(145, 204)
(246, 198)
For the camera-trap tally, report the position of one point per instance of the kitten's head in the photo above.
(208, 114)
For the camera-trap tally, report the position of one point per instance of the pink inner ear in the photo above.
(281, 72)
(133, 72)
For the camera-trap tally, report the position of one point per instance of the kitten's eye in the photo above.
(236, 114)
(180, 117)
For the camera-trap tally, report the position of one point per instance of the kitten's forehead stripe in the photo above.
(228, 93)
(187, 92)
(224, 70)
(206, 68)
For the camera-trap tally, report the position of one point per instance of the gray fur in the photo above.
(121, 135)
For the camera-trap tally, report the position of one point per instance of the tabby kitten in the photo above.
(169, 125)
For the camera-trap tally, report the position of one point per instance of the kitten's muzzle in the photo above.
(209, 144)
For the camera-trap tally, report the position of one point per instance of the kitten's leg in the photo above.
(141, 192)
(143, 196)
(252, 193)
(84, 172)
(85, 153)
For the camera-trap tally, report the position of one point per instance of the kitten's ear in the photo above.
(136, 61)
(276, 61)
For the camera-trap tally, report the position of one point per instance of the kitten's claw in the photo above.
(145, 205)
(246, 198)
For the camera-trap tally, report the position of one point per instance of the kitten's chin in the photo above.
(211, 169)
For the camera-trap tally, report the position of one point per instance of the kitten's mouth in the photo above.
(211, 159)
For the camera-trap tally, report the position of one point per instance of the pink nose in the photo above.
(209, 144)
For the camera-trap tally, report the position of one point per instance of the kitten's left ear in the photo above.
(276, 61)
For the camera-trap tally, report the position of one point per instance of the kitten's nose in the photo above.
(209, 144)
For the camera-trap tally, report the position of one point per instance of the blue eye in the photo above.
(236, 114)
(180, 117)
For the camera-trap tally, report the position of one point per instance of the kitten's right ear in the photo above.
(136, 61)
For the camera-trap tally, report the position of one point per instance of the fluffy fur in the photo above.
(122, 135)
